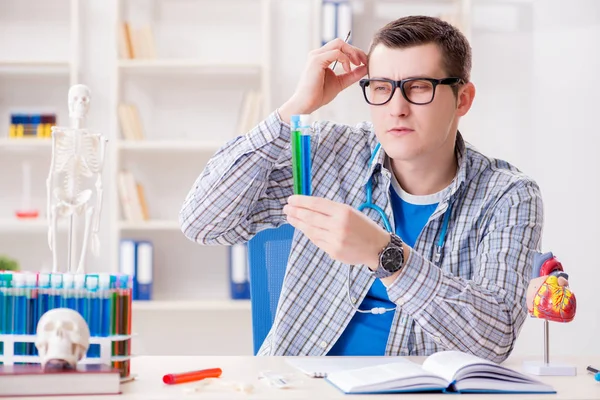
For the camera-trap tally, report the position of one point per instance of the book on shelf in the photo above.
(336, 20)
(445, 371)
(136, 259)
(131, 124)
(32, 380)
(31, 125)
(136, 42)
(250, 112)
(239, 282)
(125, 46)
(132, 197)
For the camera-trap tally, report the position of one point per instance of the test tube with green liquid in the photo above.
(296, 141)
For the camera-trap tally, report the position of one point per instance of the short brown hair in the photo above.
(419, 30)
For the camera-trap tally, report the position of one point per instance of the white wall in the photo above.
(535, 67)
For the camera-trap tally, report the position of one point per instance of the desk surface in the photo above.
(149, 370)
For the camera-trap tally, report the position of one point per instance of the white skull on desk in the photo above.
(63, 338)
(79, 101)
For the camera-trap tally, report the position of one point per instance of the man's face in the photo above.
(408, 131)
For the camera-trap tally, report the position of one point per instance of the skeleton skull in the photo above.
(63, 338)
(79, 101)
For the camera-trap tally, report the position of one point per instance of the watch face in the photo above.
(392, 259)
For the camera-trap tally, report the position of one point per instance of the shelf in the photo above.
(191, 305)
(39, 224)
(34, 225)
(173, 146)
(187, 65)
(151, 225)
(34, 67)
(25, 144)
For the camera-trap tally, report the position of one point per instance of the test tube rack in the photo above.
(104, 301)
(105, 343)
(120, 362)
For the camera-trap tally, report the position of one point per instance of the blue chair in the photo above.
(268, 253)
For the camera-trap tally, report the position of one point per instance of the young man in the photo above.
(454, 272)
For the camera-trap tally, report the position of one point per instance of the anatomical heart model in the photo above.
(548, 294)
(549, 298)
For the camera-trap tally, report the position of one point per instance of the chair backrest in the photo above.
(268, 253)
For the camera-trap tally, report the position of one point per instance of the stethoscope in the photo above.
(369, 204)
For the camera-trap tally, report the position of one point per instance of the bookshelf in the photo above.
(39, 60)
(188, 100)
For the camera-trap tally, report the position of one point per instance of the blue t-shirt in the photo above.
(367, 334)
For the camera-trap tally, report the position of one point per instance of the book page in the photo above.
(478, 374)
(397, 376)
(487, 385)
(448, 363)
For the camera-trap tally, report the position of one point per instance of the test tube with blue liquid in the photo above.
(106, 306)
(305, 137)
(80, 296)
(301, 154)
(43, 298)
(56, 281)
(69, 300)
(7, 314)
(2, 311)
(43, 304)
(95, 311)
(20, 311)
(31, 298)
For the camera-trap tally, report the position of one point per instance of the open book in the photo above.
(446, 371)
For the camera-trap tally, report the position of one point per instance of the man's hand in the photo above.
(318, 83)
(341, 231)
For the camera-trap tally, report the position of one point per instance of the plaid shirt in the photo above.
(473, 302)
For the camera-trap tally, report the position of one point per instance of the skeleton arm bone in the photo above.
(49, 190)
(99, 191)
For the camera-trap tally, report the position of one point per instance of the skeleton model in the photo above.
(62, 338)
(75, 170)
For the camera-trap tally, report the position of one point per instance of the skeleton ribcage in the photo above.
(76, 156)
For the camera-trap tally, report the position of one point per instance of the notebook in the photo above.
(31, 380)
(446, 372)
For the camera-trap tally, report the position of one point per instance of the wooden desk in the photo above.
(148, 384)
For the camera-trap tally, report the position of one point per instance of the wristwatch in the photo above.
(391, 258)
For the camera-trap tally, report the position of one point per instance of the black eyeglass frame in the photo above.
(400, 84)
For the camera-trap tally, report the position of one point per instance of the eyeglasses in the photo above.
(418, 91)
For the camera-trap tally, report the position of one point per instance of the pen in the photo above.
(172, 379)
(345, 41)
(595, 371)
